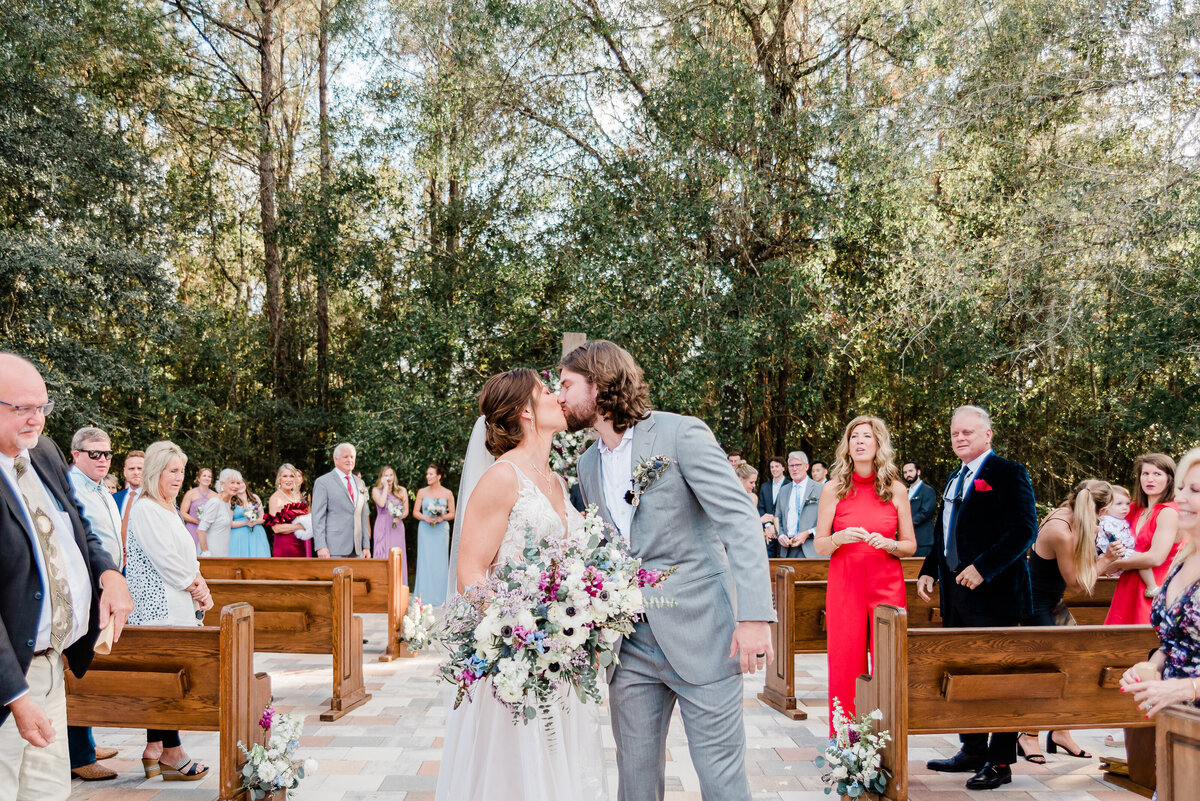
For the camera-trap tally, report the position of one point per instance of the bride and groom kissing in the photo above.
(692, 651)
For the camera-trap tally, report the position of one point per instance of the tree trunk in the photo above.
(326, 222)
(266, 197)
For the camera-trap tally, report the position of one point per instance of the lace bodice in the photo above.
(533, 511)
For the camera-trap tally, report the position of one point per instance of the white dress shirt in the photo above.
(101, 512)
(616, 479)
(972, 469)
(352, 488)
(912, 491)
(799, 488)
(78, 578)
(130, 496)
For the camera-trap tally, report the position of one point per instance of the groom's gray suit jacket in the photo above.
(696, 516)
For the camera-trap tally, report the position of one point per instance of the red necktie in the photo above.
(350, 489)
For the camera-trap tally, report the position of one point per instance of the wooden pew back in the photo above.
(1178, 749)
(193, 678)
(818, 569)
(930, 681)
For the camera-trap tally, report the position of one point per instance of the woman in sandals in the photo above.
(166, 585)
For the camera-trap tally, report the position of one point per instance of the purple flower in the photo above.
(268, 717)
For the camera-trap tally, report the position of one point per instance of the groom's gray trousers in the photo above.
(645, 688)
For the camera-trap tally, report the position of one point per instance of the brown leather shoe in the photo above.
(94, 772)
(104, 752)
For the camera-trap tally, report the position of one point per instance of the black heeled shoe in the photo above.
(1037, 759)
(1052, 748)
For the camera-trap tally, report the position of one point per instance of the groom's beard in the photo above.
(579, 419)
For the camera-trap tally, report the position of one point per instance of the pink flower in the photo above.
(267, 718)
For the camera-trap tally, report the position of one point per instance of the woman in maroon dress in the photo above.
(864, 524)
(1154, 521)
(286, 505)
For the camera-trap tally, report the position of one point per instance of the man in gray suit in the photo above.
(693, 514)
(341, 520)
(796, 510)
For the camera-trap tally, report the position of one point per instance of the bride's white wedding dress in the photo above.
(488, 757)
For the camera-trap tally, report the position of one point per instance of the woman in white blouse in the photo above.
(216, 519)
(166, 585)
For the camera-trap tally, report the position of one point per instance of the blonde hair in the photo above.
(395, 483)
(158, 458)
(884, 464)
(282, 467)
(1186, 463)
(746, 471)
(1117, 489)
(1090, 496)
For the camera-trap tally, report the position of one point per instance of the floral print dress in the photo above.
(1178, 628)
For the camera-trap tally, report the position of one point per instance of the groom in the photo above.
(694, 514)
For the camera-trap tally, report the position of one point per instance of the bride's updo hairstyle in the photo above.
(501, 402)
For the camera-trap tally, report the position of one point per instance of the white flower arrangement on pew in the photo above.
(416, 627)
(853, 759)
(275, 769)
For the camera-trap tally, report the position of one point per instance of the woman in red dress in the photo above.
(1154, 521)
(864, 524)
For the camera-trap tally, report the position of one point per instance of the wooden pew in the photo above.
(191, 678)
(1178, 749)
(379, 584)
(801, 627)
(307, 617)
(937, 681)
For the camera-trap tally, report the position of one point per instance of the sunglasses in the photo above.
(98, 455)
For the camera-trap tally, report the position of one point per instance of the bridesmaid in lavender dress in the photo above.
(193, 503)
(391, 505)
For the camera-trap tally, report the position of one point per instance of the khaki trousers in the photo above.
(38, 774)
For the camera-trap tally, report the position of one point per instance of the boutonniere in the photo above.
(645, 473)
(810, 501)
(982, 486)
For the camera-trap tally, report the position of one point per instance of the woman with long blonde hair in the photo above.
(864, 524)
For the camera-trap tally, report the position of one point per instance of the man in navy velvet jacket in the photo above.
(985, 524)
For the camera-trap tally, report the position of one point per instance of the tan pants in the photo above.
(38, 774)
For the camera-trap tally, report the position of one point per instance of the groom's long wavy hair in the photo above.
(622, 394)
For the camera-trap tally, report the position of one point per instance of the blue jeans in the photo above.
(81, 746)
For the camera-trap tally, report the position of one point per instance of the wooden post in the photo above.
(572, 340)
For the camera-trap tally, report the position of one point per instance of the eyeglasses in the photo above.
(24, 411)
(98, 455)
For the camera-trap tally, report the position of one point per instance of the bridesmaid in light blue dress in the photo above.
(434, 508)
(247, 537)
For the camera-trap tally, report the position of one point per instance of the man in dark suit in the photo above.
(768, 495)
(58, 588)
(987, 523)
(923, 499)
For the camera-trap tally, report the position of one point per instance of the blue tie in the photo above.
(952, 539)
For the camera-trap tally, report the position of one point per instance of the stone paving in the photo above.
(389, 749)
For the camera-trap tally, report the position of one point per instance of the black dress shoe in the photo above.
(990, 777)
(962, 762)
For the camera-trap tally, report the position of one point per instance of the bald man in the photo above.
(58, 589)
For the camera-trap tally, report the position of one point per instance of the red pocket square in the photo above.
(982, 486)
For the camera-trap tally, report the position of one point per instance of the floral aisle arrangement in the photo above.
(417, 625)
(852, 760)
(548, 624)
(274, 769)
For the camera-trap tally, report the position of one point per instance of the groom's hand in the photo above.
(750, 639)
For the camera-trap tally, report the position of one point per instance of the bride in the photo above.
(486, 755)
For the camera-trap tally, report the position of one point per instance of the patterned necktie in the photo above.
(952, 541)
(61, 615)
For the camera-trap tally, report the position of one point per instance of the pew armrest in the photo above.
(1003, 686)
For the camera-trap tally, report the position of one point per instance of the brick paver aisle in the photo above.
(389, 749)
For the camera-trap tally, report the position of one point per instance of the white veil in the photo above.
(475, 464)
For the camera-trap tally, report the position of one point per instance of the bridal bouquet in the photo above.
(274, 769)
(548, 623)
(416, 627)
(853, 760)
(396, 510)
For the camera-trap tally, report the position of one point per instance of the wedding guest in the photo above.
(748, 475)
(1064, 557)
(434, 507)
(864, 525)
(91, 454)
(132, 471)
(216, 519)
(981, 537)
(391, 503)
(1175, 612)
(193, 502)
(340, 515)
(45, 614)
(1154, 520)
(796, 510)
(819, 472)
(167, 588)
(110, 483)
(247, 536)
(768, 494)
(1115, 528)
(289, 516)
(923, 499)
(735, 458)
